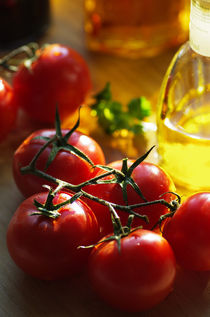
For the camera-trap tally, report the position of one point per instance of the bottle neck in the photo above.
(200, 27)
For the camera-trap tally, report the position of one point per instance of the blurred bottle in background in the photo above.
(22, 21)
(135, 28)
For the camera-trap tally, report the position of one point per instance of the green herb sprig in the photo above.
(112, 116)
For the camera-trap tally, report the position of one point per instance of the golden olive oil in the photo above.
(184, 142)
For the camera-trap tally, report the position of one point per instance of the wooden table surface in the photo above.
(23, 296)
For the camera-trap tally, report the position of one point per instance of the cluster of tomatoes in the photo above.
(134, 270)
(131, 266)
(49, 247)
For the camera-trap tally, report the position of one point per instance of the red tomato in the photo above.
(152, 181)
(65, 166)
(188, 232)
(58, 76)
(8, 108)
(46, 248)
(138, 277)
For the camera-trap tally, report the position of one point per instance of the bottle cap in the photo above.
(200, 27)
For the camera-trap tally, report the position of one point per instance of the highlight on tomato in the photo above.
(8, 108)
(138, 276)
(43, 241)
(188, 232)
(54, 75)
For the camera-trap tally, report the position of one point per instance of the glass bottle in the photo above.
(135, 27)
(22, 21)
(183, 117)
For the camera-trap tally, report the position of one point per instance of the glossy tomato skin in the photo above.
(8, 109)
(46, 248)
(152, 180)
(138, 277)
(188, 232)
(65, 166)
(59, 76)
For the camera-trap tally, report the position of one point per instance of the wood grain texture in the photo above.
(23, 296)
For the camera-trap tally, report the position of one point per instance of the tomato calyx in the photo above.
(48, 209)
(124, 178)
(9, 63)
(59, 142)
(27, 54)
(119, 231)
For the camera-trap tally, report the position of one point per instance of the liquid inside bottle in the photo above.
(184, 120)
(135, 27)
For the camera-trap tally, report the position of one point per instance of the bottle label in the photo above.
(200, 27)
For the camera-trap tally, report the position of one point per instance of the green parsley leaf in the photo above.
(113, 117)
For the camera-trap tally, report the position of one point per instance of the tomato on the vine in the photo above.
(188, 232)
(153, 182)
(137, 277)
(58, 75)
(65, 166)
(47, 248)
(8, 108)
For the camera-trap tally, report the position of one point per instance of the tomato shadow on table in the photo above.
(73, 297)
(191, 282)
(191, 292)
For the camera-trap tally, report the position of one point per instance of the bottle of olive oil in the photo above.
(183, 117)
